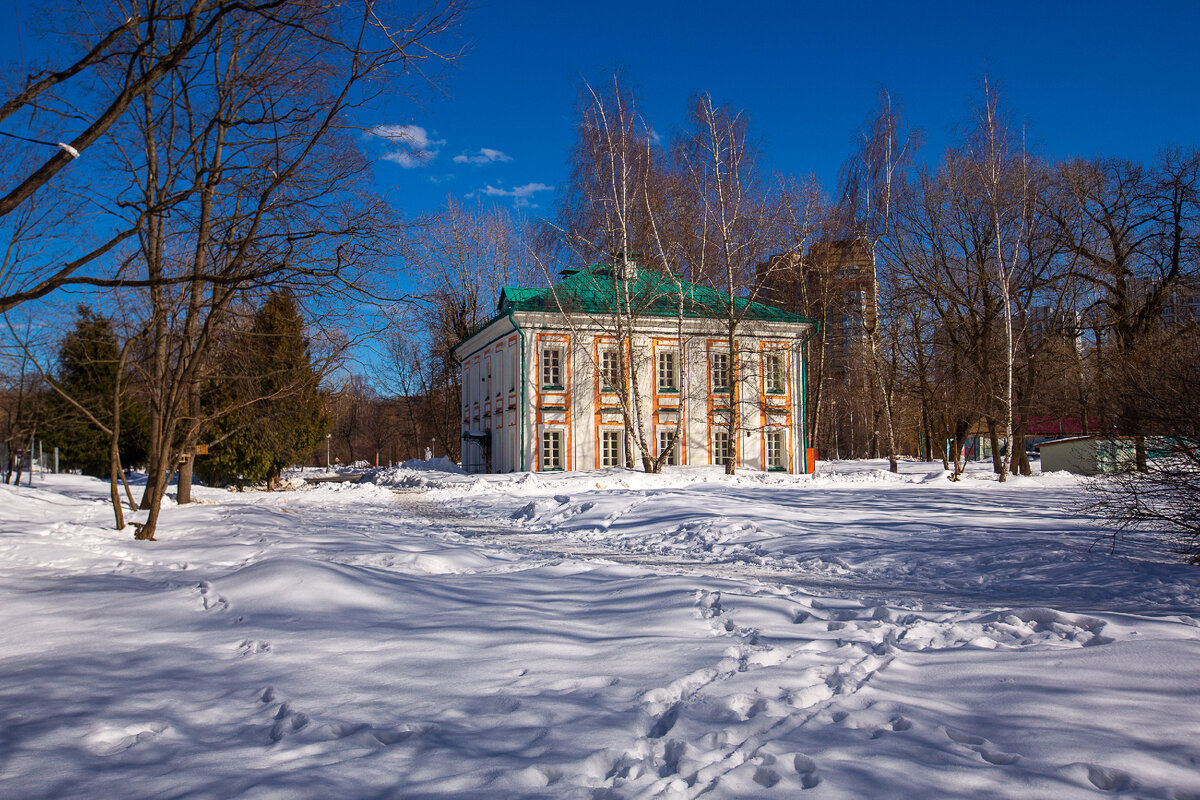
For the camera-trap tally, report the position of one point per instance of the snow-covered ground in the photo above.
(596, 635)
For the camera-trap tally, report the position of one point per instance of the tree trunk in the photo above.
(994, 439)
(732, 427)
(114, 455)
(1019, 459)
(183, 494)
(156, 491)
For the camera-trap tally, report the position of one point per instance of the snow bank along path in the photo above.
(353, 641)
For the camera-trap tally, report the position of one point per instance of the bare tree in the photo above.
(115, 57)
(795, 280)
(739, 223)
(1133, 233)
(869, 184)
(1163, 496)
(461, 259)
(615, 211)
(246, 149)
(22, 401)
(1005, 179)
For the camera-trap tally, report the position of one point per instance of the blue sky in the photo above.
(1087, 78)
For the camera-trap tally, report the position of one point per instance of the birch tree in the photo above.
(869, 183)
(1005, 173)
(614, 212)
(738, 224)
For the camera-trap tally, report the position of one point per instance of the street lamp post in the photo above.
(328, 436)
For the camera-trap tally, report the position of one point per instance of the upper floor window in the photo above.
(668, 372)
(721, 379)
(773, 374)
(610, 370)
(552, 367)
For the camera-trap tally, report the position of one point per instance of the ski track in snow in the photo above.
(531, 639)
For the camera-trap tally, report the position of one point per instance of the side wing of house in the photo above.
(493, 389)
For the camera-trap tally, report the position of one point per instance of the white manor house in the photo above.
(566, 377)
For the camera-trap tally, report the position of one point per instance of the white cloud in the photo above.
(486, 155)
(416, 147)
(520, 194)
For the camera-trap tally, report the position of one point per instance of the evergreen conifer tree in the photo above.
(86, 372)
(274, 406)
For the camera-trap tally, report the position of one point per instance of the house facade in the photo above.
(565, 378)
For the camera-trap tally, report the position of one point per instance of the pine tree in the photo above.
(86, 372)
(275, 410)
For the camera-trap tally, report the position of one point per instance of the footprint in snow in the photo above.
(708, 604)
(287, 721)
(806, 768)
(897, 725)
(250, 647)
(209, 599)
(982, 747)
(1107, 779)
(662, 726)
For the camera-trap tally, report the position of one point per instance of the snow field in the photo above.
(591, 635)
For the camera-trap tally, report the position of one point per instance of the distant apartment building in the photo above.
(833, 283)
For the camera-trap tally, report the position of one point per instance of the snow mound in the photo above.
(291, 585)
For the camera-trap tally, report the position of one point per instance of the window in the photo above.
(610, 449)
(720, 449)
(551, 450)
(610, 370)
(773, 378)
(667, 375)
(665, 446)
(720, 372)
(775, 451)
(552, 367)
(512, 368)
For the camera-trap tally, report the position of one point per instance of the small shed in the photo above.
(1089, 455)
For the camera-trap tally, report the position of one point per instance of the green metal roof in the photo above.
(595, 290)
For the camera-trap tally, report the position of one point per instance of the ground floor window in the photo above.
(665, 445)
(776, 449)
(720, 449)
(610, 449)
(551, 450)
